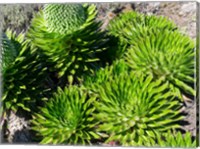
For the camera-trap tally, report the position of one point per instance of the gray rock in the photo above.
(17, 129)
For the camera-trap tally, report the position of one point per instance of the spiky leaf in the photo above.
(163, 54)
(67, 118)
(177, 139)
(23, 75)
(72, 53)
(103, 75)
(134, 109)
(127, 24)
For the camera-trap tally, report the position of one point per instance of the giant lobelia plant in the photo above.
(165, 54)
(126, 24)
(21, 73)
(156, 47)
(132, 21)
(134, 110)
(69, 35)
(67, 118)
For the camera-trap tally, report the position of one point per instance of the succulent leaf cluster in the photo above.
(67, 118)
(73, 47)
(133, 110)
(8, 53)
(102, 75)
(164, 54)
(128, 22)
(155, 46)
(127, 92)
(21, 73)
(177, 139)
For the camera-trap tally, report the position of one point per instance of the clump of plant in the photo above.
(69, 35)
(8, 51)
(132, 97)
(133, 110)
(21, 72)
(102, 75)
(126, 24)
(67, 118)
(164, 54)
(176, 139)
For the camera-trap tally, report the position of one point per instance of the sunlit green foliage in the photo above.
(163, 54)
(67, 118)
(132, 110)
(73, 51)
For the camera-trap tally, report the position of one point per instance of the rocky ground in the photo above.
(182, 13)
